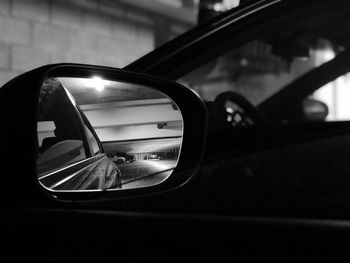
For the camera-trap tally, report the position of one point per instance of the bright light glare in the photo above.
(335, 94)
(229, 110)
(95, 82)
(225, 5)
(323, 55)
(328, 54)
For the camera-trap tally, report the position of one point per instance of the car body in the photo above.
(130, 159)
(293, 146)
(126, 158)
(68, 142)
(153, 157)
(256, 194)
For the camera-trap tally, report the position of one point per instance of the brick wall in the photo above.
(38, 32)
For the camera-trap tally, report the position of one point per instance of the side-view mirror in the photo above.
(314, 110)
(94, 132)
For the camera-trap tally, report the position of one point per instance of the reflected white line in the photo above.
(160, 173)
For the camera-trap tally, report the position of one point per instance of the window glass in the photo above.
(336, 96)
(255, 70)
(60, 141)
(261, 65)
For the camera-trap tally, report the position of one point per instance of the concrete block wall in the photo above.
(38, 32)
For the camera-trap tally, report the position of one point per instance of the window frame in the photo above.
(88, 125)
(77, 118)
(81, 126)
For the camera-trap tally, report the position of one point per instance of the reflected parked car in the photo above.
(118, 159)
(122, 157)
(153, 157)
(130, 158)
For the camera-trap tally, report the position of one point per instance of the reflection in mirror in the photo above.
(96, 134)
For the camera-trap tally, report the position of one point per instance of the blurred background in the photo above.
(101, 32)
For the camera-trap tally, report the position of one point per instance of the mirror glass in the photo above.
(95, 134)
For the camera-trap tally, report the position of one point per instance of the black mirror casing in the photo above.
(18, 105)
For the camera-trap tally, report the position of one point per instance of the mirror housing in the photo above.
(19, 107)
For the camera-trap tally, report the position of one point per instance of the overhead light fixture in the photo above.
(95, 82)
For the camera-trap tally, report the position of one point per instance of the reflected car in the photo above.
(153, 157)
(124, 157)
(130, 158)
(118, 159)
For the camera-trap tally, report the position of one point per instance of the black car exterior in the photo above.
(218, 215)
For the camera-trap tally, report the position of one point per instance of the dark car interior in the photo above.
(286, 159)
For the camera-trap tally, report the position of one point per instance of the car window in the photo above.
(255, 70)
(263, 64)
(60, 139)
(335, 96)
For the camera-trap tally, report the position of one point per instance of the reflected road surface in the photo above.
(135, 174)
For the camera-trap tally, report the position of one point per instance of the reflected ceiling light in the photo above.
(225, 5)
(95, 82)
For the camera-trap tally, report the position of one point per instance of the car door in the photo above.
(179, 225)
(257, 56)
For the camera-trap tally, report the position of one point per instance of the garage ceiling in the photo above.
(143, 146)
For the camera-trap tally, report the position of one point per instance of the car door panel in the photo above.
(82, 234)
